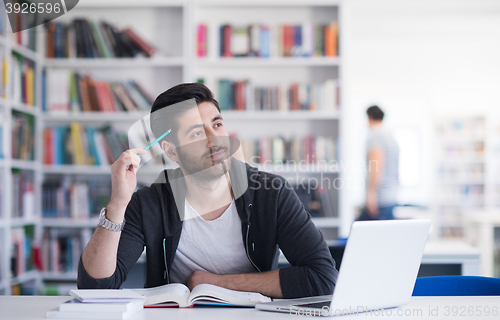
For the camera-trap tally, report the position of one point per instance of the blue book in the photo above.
(264, 42)
(1, 141)
(90, 130)
(297, 41)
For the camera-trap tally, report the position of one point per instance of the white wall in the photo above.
(419, 60)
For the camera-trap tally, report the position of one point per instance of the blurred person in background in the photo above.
(382, 171)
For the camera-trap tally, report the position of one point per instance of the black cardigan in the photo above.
(272, 218)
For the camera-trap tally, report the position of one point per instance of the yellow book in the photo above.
(30, 88)
(5, 77)
(77, 143)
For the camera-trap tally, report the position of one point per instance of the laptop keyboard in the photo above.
(315, 305)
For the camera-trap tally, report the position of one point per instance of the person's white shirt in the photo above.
(214, 246)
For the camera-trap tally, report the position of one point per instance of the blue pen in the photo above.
(158, 139)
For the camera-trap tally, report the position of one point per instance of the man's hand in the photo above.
(266, 283)
(372, 204)
(199, 277)
(123, 179)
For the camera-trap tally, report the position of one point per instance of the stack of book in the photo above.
(24, 22)
(23, 80)
(257, 40)
(69, 91)
(80, 145)
(22, 136)
(309, 149)
(243, 95)
(23, 197)
(62, 198)
(61, 249)
(89, 39)
(22, 258)
(103, 304)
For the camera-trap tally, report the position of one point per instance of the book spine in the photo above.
(146, 48)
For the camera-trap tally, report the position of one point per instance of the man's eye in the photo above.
(218, 124)
(197, 133)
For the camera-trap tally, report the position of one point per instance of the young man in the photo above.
(214, 220)
(383, 173)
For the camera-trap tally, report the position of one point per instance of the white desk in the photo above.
(453, 252)
(34, 307)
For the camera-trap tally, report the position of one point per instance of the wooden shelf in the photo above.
(74, 169)
(284, 169)
(21, 222)
(69, 223)
(25, 277)
(269, 62)
(99, 117)
(266, 3)
(130, 4)
(98, 170)
(58, 276)
(25, 52)
(21, 107)
(279, 115)
(23, 164)
(111, 63)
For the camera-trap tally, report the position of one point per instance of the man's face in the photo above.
(203, 143)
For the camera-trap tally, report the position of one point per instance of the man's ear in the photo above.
(170, 150)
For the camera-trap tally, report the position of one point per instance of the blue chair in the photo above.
(457, 286)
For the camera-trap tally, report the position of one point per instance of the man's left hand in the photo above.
(199, 277)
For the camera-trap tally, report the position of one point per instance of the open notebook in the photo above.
(177, 294)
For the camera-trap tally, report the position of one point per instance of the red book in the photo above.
(109, 96)
(227, 32)
(101, 100)
(295, 105)
(239, 95)
(84, 93)
(138, 41)
(47, 141)
(19, 28)
(202, 40)
(288, 40)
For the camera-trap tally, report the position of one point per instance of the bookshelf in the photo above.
(169, 25)
(462, 172)
(19, 163)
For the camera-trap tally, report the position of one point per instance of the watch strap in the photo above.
(107, 224)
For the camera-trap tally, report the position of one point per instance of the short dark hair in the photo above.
(375, 113)
(179, 93)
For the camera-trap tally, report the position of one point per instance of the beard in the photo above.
(204, 169)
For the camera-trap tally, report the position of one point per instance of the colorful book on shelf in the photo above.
(22, 136)
(69, 91)
(80, 145)
(243, 95)
(89, 39)
(309, 149)
(288, 40)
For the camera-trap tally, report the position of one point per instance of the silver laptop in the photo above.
(379, 269)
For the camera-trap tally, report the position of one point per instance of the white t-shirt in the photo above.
(215, 246)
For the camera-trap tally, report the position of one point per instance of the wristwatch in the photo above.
(110, 225)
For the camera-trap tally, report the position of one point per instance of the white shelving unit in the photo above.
(462, 172)
(171, 27)
(8, 222)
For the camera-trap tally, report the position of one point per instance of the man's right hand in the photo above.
(124, 180)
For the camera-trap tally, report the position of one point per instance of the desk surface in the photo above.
(35, 307)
